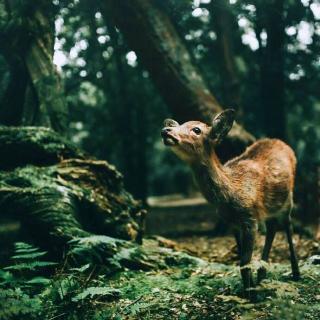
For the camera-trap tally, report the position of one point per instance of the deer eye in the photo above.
(196, 130)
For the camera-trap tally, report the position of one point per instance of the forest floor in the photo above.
(213, 291)
(209, 288)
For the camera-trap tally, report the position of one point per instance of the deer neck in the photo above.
(212, 178)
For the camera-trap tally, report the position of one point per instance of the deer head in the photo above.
(190, 141)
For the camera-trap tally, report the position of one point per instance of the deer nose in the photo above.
(165, 131)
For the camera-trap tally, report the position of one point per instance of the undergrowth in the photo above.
(32, 287)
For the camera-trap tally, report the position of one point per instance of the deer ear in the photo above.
(170, 123)
(222, 124)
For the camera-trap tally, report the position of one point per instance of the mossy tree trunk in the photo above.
(34, 95)
(59, 193)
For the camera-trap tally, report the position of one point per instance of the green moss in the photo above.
(193, 290)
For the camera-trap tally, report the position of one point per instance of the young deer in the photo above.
(255, 186)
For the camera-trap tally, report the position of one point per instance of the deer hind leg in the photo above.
(247, 245)
(270, 233)
(293, 257)
(237, 236)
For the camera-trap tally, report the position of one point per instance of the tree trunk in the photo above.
(59, 192)
(26, 41)
(225, 25)
(272, 68)
(151, 34)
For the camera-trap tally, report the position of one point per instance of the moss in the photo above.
(20, 146)
(213, 291)
(188, 290)
(59, 195)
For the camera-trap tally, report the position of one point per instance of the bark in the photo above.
(152, 35)
(59, 193)
(225, 26)
(270, 17)
(11, 107)
(131, 118)
(26, 41)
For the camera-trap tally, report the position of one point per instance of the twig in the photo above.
(133, 302)
(90, 275)
(58, 316)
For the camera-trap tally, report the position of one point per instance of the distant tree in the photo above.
(270, 20)
(224, 22)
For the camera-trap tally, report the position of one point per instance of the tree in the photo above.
(58, 192)
(271, 21)
(34, 95)
(225, 25)
(151, 34)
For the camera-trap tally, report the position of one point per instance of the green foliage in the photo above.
(30, 265)
(112, 97)
(180, 291)
(17, 305)
(21, 283)
(25, 291)
(26, 258)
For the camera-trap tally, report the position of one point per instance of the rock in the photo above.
(314, 259)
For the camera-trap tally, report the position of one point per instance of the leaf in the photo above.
(82, 269)
(6, 276)
(23, 245)
(26, 250)
(31, 266)
(38, 280)
(233, 299)
(31, 255)
(96, 291)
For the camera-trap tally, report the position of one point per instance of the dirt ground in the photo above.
(223, 249)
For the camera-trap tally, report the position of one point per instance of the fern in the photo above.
(26, 258)
(20, 285)
(30, 255)
(38, 280)
(30, 265)
(24, 246)
(7, 277)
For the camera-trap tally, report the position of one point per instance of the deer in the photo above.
(256, 186)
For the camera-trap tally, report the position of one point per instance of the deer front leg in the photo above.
(247, 245)
(270, 233)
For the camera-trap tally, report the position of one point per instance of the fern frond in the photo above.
(31, 255)
(38, 280)
(26, 250)
(30, 265)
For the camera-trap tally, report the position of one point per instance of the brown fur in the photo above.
(255, 186)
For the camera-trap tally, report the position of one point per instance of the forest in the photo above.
(99, 219)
